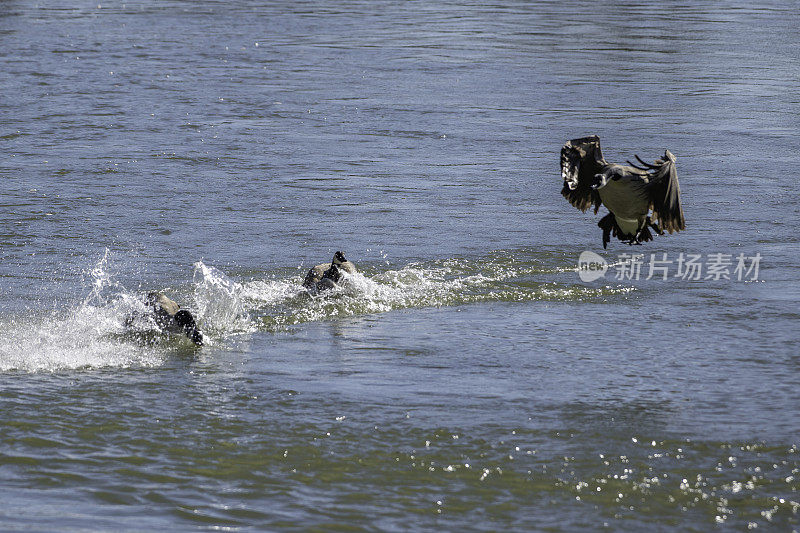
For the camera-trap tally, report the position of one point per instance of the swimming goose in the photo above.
(628, 191)
(171, 317)
(327, 275)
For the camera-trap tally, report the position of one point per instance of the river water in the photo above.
(466, 378)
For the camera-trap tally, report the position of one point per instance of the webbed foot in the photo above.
(607, 225)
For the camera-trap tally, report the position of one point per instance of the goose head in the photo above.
(600, 180)
(186, 321)
(604, 178)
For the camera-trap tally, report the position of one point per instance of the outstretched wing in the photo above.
(581, 159)
(665, 194)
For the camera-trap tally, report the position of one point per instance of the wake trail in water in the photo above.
(112, 327)
(279, 303)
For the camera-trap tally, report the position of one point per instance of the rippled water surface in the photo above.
(466, 377)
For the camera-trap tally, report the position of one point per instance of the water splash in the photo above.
(101, 279)
(84, 338)
(449, 282)
(90, 335)
(220, 307)
(112, 326)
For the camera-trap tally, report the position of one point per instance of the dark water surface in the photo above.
(467, 378)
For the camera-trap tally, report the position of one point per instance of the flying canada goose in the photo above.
(172, 318)
(327, 275)
(628, 191)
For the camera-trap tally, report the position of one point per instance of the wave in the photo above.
(451, 282)
(110, 327)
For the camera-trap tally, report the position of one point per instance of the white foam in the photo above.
(112, 326)
(219, 302)
(88, 336)
(92, 334)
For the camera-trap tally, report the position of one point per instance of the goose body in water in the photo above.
(327, 275)
(629, 192)
(170, 317)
